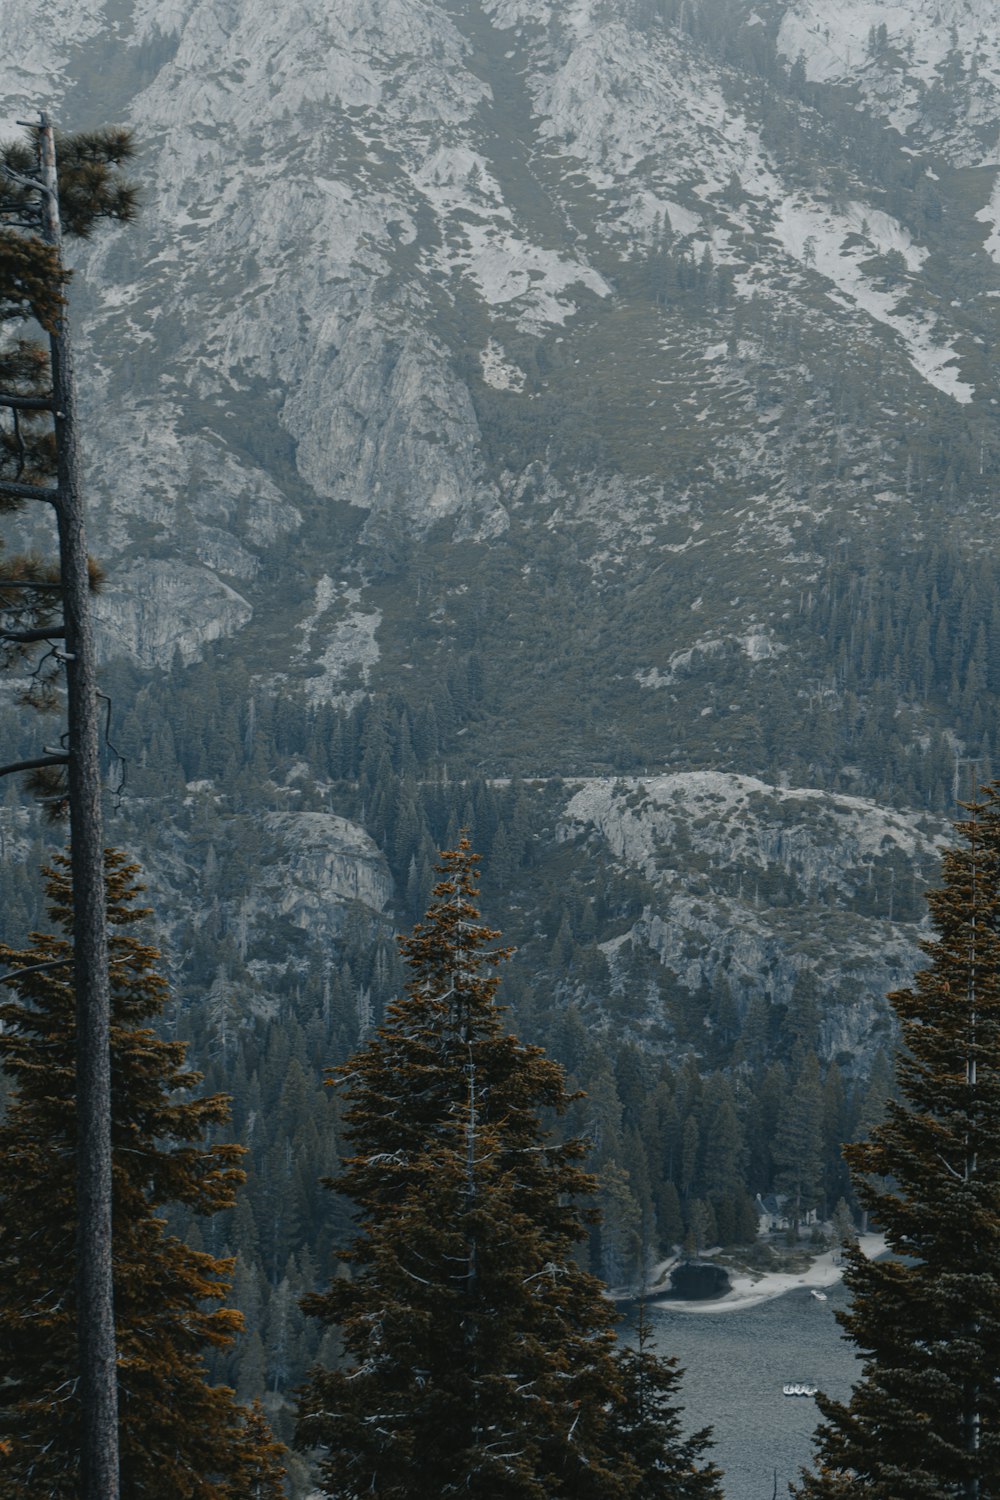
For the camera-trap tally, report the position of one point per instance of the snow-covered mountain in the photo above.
(643, 353)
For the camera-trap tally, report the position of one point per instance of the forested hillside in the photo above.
(572, 423)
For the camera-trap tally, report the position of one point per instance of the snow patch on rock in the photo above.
(921, 38)
(39, 38)
(990, 215)
(837, 246)
(498, 371)
(349, 648)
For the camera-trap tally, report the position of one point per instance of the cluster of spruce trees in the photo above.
(480, 1354)
(923, 1420)
(469, 1345)
(892, 674)
(729, 1104)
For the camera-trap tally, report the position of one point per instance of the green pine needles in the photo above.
(480, 1358)
(923, 1423)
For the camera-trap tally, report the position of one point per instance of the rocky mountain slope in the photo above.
(612, 385)
(571, 421)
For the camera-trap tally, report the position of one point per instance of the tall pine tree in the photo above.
(648, 1426)
(923, 1422)
(38, 199)
(480, 1357)
(181, 1438)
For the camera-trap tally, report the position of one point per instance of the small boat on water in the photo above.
(820, 1296)
(798, 1390)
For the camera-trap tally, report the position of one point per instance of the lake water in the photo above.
(736, 1363)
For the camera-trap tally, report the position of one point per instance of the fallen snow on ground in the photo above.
(991, 215)
(834, 40)
(825, 1271)
(507, 269)
(486, 247)
(837, 245)
(350, 642)
(922, 40)
(498, 371)
(616, 102)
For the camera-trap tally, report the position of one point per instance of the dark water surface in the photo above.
(736, 1363)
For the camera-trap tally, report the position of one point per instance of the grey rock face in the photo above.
(759, 885)
(322, 864)
(156, 608)
(342, 217)
(574, 337)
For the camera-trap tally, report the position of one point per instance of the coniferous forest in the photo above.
(498, 618)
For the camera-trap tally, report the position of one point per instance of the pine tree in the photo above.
(261, 1472)
(480, 1356)
(648, 1426)
(39, 199)
(798, 1143)
(180, 1438)
(923, 1423)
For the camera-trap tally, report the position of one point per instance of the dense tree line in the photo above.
(889, 688)
(681, 1149)
(675, 1150)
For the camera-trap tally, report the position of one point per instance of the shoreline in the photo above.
(749, 1291)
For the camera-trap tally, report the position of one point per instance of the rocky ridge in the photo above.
(592, 342)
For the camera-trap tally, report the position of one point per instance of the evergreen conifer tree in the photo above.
(261, 1471)
(649, 1430)
(480, 1357)
(481, 1352)
(797, 1147)
(40, 199)
(923, 1422)
(180, 1437)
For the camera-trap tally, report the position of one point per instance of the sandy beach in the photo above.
(748, 1291)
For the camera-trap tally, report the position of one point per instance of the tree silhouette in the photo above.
(648, 1425)
(924, 1419)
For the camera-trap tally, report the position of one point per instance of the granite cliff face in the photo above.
(757, 886)
(619, 351)
(323, 863)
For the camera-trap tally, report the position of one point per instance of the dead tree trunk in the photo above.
(95, 1292)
